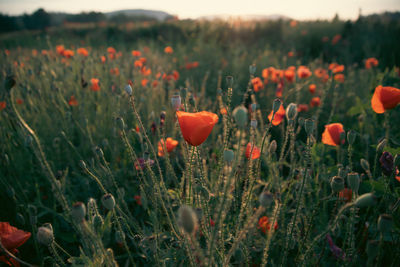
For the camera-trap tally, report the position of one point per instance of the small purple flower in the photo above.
(336, 251)
(140, 164)
(387, 164)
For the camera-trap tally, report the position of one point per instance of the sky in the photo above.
(296, 9)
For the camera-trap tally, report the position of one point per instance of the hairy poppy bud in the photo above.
(192, 101)
(364, 164)
(99, 152)
(97, 222)
(228, 156)
(45, 234)
(240, 116)
(309, 126)
(78, 211)
(365, 200)
(128, 89)
(337, 184)
(176, 101)
(187, 219)
(291, 111)
(266, 199)
(381, 146)
(108, 201)
(385, 222)
(353, 180)
(253, 123)
(252, 69)
(272, 147)
(351, 137)
(276, 105)
(229, 81)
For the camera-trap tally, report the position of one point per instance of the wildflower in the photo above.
(175, 75)
(339, 77)
(72, 101)
(95, 84)
(384, 98)
(83, 52)
(145, 71)
(223, 111)
(257, 84)
(138, 199)
(303, 72)
(114, 71)
(332, 134)
(371, 62)
(68, 53)
(315, 101)
(103, 59)
(144, 82)
(11, 238)
(253, 151)
(264, 225)
(290, 54)
(336, 39)
(397, 176)
(278, 117)
(170, 144)
(346, 194)
(136, 53)
(337, 252)
(302, 107)
(196, 127)
(338, 68)
(60, 49)
(290, 74)
(312, 88)
(138, 64)
(3, 105)
(141, 163)
(111, 50)
(387, 163)
(168, 50)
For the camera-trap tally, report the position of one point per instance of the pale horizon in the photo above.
(301, 10)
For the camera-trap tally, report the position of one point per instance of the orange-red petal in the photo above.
(196, 127)
(279, 115)
(384, 98)
(331, 135)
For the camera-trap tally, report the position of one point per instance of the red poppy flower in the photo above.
(331, 135)
(257, 84)
(315, 101)
(371, 62)
(336, 39)
(144, 82)
(111, 50)
(83, 52)
(95, 84)
(60, 49)
(339, 77)
(175, 75)
(136, 53)
(290, 75)
(3, 105)
(264, 225)
(302, 107)
(170, 145)
(303, 72)
(138, 64)
(68, 53)
(168, 50)
(145, 71)
(397, 176)
(12, 238)
(346, 194)
(138, 200)
(338, 68)
(72, 101)
(255, 154)
(103, 59)
(384, 98)
(312, 88)
(279, 115)
(196, 127)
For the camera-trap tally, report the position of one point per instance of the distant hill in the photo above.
(245, 17)
(155, 14)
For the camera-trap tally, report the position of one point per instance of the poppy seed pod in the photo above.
(176, 101)
(309, 126)
(78, 211)
(128, 89)
(228, 156)
(187, 219)
(381, 146)
(291, 111)
(252, 69)
(365, 200)
(108, 201)
(45, 234)
(351, 137)
(364, 164)
(229, 81)
(240, 116)
(337, 184)
(385, 223)
(276, 105)
(353, 180)
(266, 199)
(272, 147)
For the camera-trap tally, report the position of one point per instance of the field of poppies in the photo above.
(202, 151)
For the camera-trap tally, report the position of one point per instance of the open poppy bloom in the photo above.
(315, 101)
(196, 127)
(371, 62)
(339, 77)
(82, 51)
(255, 154)
(72, 101)
(95, 84)
(264, 225)
(168, 50)
(170, 145)
(303, 72)
(312, 88)
(136, 53)
(290, 74)
(384, 98)
(279, 115)
(257, 84)
(12, 238)
(331, 135)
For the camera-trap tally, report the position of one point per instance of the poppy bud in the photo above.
(337, 184)
(364, 164)
(45, 234)
(120, 123)
(108, 201)
(266, 199)
(276, 105)
(381, 146)
(128, 89)
(228, 156)
(253, 123)
(272, 147)
(78, 211)
(372, 249)
(229, 81)
(309, 126)
(365, 200)
(176, 101)
(291, 111)
(187, 219)
(240, 115)
(385, 223)
(97, 222)
(252, 69)
(82, 164)
(351, 137)
(353, 180)
(99, 152)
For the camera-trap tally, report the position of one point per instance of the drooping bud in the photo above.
(266, 198)
(365, 200)
(99, 152)
(78, 211)
(187, 219)
(291, 111)
(45, 234)
(228, 156)
(272, 147)
(276, 105)
(381, 146)
(337, 184)
(128, 89)
(309, 126)
(351, 137)
(240, 115)
(108, 201)
(353, 180)
(364, 164)
(9, 82)
(176, 101)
